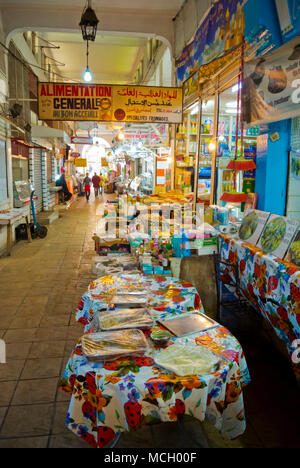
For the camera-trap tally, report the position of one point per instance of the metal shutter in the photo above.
(3, 172)
(49, 166)
(35, 170)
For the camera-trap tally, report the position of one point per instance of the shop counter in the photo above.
(10, 217)
(272, 286)
(110, 398)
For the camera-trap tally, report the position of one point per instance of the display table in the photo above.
(167, 296)
(273, 288)
(123, 395)
(8, 219)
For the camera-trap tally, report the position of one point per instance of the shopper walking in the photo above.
(87, 186)
(96, 184)
(80, 178)
(102, 183)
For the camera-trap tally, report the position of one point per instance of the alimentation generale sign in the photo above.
(112, 103)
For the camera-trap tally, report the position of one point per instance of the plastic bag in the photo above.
(128, 300)
(187, 360)
(108, 346)
(125, 318)
(180, 244)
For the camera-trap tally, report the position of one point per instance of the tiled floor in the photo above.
(40, 286)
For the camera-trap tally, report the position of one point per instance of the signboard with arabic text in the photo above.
(109, 103)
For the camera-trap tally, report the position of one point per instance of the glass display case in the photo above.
(206, 149)
(227, 147)
(186, 150)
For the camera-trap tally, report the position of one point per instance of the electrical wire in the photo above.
(27, 65)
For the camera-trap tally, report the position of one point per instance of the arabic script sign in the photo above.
(64, 101)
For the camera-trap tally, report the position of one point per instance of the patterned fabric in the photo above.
(123, 395)
(271, 285)
(166, 296)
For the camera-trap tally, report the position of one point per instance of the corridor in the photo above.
(41, 285)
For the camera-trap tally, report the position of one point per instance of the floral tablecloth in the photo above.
(272, 286)
(167, 296)
(123, 395)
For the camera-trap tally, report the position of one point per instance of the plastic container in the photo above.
(187, 359)
(223, 215)
(125, 318)
(108, 346)
(160, 337)
(180, 244)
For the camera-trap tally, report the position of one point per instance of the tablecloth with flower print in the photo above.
(166, 296)
(123, 395)
(273, 288)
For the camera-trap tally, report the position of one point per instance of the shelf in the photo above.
(182, 167)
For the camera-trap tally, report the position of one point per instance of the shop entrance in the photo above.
(95, 155)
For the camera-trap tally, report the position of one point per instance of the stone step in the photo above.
(47, 217)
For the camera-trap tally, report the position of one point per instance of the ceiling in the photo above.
(118, 49)
(169, 7)
(123, 30)
(112, 59)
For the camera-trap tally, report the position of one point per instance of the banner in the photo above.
(110, 103)
(221, 31)
(272, 86)
(80, 162)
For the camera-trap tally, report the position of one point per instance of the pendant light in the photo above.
(89, 23)
(87, 74)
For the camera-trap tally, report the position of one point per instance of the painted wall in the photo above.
(272, 167)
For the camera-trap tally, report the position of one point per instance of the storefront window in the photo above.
(227, 148)
(186, 150)
(293, 195)
(206, 149)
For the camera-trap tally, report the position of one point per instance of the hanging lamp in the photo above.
(89, 23)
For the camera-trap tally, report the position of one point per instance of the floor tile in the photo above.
(68, 440)
(28, 420)
(5, 321)
(31, 321)
(24, 442)
(7, 389)
(54, 321)
(61, 410)
(47, 349)
(51, 334)
(20, 335)
(11, 300)
(17, 350)
(2, 415)
(12, 370)
(41, 368)
(35, 391)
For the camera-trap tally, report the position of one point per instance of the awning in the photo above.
(48, 133)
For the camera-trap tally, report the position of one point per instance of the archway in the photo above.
(94, 154)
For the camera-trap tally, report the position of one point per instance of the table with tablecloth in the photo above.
(273, 288)
(167, 296)
(123, 395)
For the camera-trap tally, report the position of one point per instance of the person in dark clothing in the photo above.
(96, 183)
(61, 182)
(87, 187)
